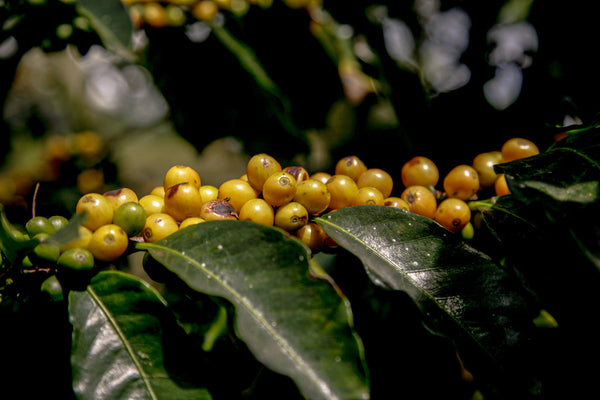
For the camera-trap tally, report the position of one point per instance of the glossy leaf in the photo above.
(119, 326)
(462, 293)
(292, 322)
(111, 21)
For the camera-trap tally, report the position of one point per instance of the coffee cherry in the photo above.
(484, 163)
(377, 178)
(205, 10)
(500, 185)
(517, 148)
(453, 214)
(108, 242)
(181, 174)
(152, 204)
(39, 224)
(279, 189)
(368, 196)
(259, 211)
(155, 15)
(312, 235)
(77, 259)
(291, 216)
(159, 226)
(131, 217)
(158, 191)
(44, 253)
(351, 166)
(97, 210)
(81, 241)
(120, 196)
(321, 177)
(208, 193)
(461, 182)
(342, 189)
(216, 210)
(182, 201)
(259, 168)
(300, 174)
(420, 200)
(468, 231)
(52, 287)
(313, 195)
(236, 192)
(420, 171)
(190, 221)
(396, 202)
(58, 222)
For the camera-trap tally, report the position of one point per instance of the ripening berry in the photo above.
(191, 221)
(155, 15)
(453, 214)
(321, 177)
(259, 168)
(368, 196)
(484, 165)
(396, 202)
(205, 10)
(131, 217)
(500, 185)
(108, 242)
(158, 191)
(182, 201)
(180, 174)
(159, 226)
(259, 211)
(236, 192)
(421, 171)
(300, 174)
(120, 196)
(461, 182)
(420, 200)
(351, 166)
(291, 216)
(81, 241)
(279, 189)
(97, 210)
(216, 210)
(312, 235)
(313, 195)
(377, 178)
(152, 204)
(208, 193)
(517, 148)
(342, 189)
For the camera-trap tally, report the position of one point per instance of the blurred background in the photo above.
(100, 94)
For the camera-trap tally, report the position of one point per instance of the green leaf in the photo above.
(462, 293)
(111, 21)
(119, 335)
(292, 322)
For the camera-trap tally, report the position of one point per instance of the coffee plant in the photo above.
(380, 272)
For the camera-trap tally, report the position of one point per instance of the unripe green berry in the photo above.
(58, 221)
(131, 217)
(39, 224)
(76, 259)
(53, 288)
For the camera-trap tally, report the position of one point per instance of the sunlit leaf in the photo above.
(293, 323)
(119, 326)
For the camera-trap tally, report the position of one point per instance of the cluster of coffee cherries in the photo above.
(160, 14)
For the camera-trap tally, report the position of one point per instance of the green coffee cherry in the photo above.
(39, 225)
(53, 288)
(45, 252)
(131, 217)
(58, 221)
(76, 259)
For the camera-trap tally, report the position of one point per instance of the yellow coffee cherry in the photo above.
(453, 214)
(396, 202)
(420, 200)
(313, 195)
(291, 216)
(236, 192)
(279, 189)
(351, 166)
(259, 211)
(82, 241)
(158, 191)
(120, 196)
(461, 182)
(342, 189)
(182, 201)
(97, 210)
(377, 178)
(312, 235)
(152, 204)
(158, 226)
(191, 221)
(208, 193)
(181, 174)
(108, 242)
(368, 196)
(215, 210)
(259, 168)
